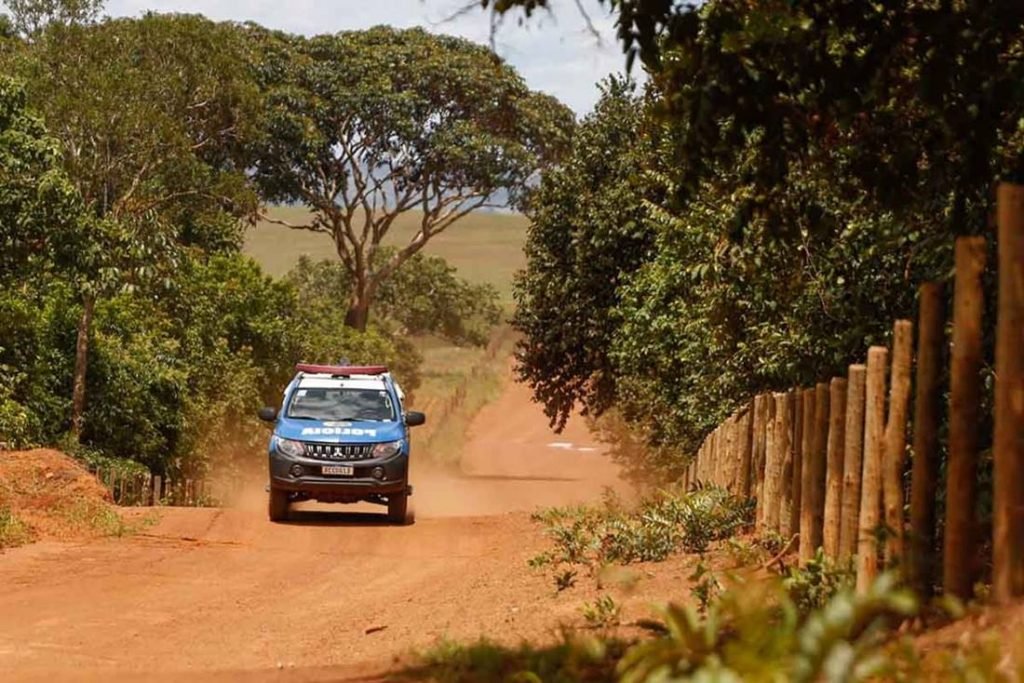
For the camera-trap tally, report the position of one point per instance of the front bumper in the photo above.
(361, 485)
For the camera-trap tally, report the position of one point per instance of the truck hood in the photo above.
(339, 432)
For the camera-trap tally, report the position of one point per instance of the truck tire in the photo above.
(277, 505)
(400, 511)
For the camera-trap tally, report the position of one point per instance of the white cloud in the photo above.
(554, 52)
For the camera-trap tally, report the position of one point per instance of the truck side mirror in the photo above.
(415, 419)
(268, 414)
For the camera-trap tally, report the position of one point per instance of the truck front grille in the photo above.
(328, 451)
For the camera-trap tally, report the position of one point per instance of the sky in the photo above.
(554, 52)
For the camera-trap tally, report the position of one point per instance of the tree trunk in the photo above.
(358, 310)
(81, 362)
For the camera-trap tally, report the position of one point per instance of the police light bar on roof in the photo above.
(341, 370)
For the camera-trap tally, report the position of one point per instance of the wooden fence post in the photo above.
(773, 465)
(798, 459)
(746, 434)
(157, 491)
(813, 500)
(1008, 539)
(806, 469)
(853, 450)
(925, 466)
(834, 467)
(871, 481)
(757, 456)
(960, 545)
(785, 438)
(731, 469)
(896, 441)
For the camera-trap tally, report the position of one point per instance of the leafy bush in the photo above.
(425, 296)
(571, 660)
(755, 633)
(811, 587)
(650, 532)
(746, 636)
(602, 612)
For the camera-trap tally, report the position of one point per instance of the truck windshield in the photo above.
(341, 404)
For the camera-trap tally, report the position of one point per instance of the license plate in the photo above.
(339, 470)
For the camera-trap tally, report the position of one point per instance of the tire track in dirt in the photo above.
(224, 594)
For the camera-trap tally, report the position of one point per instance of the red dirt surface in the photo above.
(53, 495)
(223, 594)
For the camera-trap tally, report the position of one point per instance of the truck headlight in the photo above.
(386, 450)
(293, 449)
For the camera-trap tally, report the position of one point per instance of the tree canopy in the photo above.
(364, 126)
(799, 168)
(128, 154)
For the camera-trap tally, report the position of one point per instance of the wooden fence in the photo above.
(827, 464)
(143, 489)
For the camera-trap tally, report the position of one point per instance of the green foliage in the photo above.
(814, 584)
(424, 297)
(587, 231)
(706, 587)
(13, 532)
(40, 212)
(29, 17)
(781, 200)
(176, 380)
(602, 613)
(653, 530)
(363, 126)
(754, 634)
(571, 660)
(759, 637)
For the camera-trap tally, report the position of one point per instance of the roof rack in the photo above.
(342, 370)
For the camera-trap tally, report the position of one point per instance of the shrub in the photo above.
(602, 612)
(746, 636)
(812, 586)
(752, 634)
(650, 532)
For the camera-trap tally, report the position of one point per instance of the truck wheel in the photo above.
(277, 505)
(399, 510)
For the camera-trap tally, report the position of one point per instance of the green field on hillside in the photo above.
(484, 247)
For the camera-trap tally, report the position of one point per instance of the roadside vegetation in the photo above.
(136, 328)
(757, 215)
(742, 619)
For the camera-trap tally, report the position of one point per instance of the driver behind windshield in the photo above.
(341, 404)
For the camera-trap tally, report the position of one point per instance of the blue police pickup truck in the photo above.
(341, 436)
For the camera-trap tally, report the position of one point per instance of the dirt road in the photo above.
(224, 594)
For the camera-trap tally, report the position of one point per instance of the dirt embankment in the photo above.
(47, 495)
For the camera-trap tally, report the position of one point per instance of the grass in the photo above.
(457, 383)
(13, 532)
(570, 660)
(483, 247)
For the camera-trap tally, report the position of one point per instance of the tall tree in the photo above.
(366, 126)
(40, 212)
(587, 233)
(29, 17)
(149, 114)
